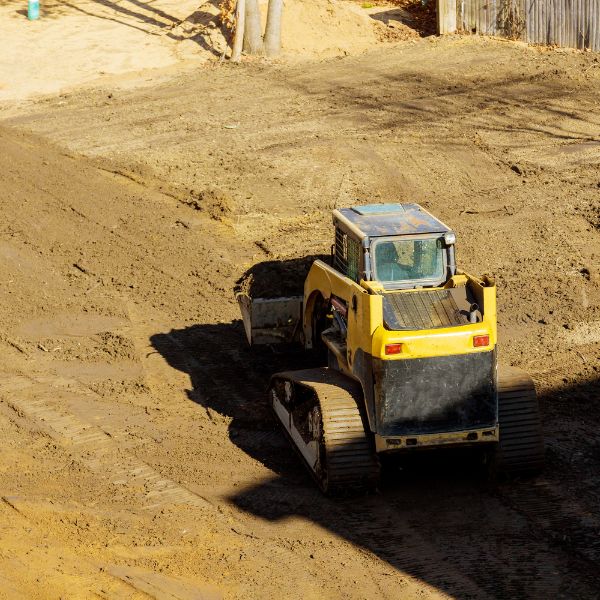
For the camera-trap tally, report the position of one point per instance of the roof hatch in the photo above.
(378, 209)
(378, 220)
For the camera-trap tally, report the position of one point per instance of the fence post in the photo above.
(446, 16)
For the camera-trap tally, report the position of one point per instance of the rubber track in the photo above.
(351, 462)
(521, 441)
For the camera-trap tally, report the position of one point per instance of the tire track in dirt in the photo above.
(486, 554)
(500, 548)
(34, 399)
(507, 547)
(92, 446)
(216, 363)
(569, 526)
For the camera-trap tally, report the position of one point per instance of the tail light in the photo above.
(480, 341)
(393, 348)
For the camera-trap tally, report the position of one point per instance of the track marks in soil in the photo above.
(454, 535)
(162, 587)
(569, 525)
(94, 447)
(370, 129)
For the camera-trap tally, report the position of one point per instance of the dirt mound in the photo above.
(105, 38)
(326, 27)
(309, 27)
(277, 277)
(213, 201)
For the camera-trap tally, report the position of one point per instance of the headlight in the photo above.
(450, 238)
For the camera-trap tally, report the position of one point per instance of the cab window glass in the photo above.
(409, 260)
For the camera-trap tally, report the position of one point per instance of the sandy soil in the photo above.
(139, 457)
(79, 42)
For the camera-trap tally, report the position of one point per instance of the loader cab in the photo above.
(399, 246)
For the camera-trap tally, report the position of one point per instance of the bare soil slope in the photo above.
(139, 452)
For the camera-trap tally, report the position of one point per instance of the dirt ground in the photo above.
(130, 42)
(139, 458)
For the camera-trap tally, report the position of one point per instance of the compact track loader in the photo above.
(408, 346)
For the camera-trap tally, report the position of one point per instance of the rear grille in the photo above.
(421, 310)
(436, 394)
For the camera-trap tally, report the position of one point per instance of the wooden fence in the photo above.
(569, 23)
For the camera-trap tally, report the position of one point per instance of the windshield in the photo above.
(414, 261)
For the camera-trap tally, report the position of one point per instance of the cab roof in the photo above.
(375, 220)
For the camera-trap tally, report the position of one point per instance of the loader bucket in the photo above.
(271, 320)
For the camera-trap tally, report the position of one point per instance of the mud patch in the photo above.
(593, 215)
(106, 347)
(118, 388)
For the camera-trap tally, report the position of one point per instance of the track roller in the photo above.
(521, 448)
(320, 410)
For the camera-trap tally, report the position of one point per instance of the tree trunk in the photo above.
(252, 31)
(273, 29)
(238, 40)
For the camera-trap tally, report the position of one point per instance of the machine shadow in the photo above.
(437, 517)
(230, 378)
(442, 519)
(428, 519)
